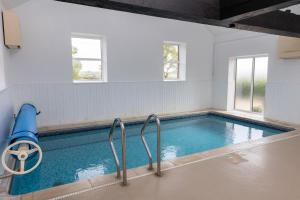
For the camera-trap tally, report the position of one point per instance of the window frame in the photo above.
(181, 71)
(252, 82)
(102, 60)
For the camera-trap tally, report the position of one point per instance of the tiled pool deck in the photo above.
(247, 163)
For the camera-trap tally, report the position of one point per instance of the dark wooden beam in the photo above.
(200, 8)
(201, 11)
(208, 12)
(235, 10)
(277, 22)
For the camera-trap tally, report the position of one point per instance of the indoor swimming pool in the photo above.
(69, 157)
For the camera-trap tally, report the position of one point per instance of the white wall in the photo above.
(6, 115)
(41, 71)
(2, 52)
(283, 86)
(6, 105)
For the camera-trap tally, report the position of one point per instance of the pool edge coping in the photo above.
(71, 128)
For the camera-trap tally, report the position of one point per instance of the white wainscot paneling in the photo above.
(66, 103)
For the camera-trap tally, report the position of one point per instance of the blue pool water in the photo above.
(71, 157)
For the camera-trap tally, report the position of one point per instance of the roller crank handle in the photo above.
(22, 155)
(12, 152)
(31, 151)
(22, 166)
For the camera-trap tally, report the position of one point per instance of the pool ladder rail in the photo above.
(119, 122)
(157, 121)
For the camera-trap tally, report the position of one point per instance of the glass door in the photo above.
(259, 83)
(250, 84)
(243, 84)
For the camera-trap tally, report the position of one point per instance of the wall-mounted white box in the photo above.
(11, 29)
(288, 47)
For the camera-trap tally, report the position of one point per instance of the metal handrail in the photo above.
(123, 133)
(157, 120)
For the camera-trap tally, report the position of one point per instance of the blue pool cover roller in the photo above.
(25, 127)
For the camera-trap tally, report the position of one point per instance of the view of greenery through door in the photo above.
(250, 83)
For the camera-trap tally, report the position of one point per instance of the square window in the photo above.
(87, 59)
